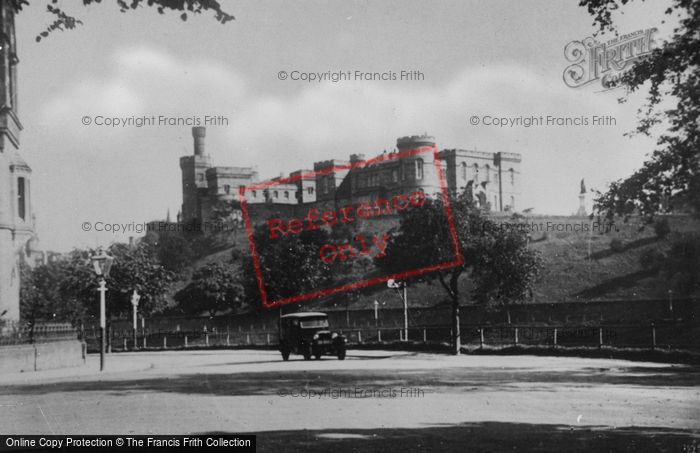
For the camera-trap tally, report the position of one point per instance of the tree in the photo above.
(672, 172)
(679, 268)
(214, 287)
(63, 21)
(137, 268)
(497, 260)
(63, 290)
(66, 289)
(290, 265)
(173, 251)
(50, 292)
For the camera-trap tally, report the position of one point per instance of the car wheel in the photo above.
(341, 354)
(307, 353)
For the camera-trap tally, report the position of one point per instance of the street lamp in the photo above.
(135, 297)
(102, 263)
(376, 312)
(391, 283)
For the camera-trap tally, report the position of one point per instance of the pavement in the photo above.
(372, 401)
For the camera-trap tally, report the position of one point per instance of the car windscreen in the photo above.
(313, 323)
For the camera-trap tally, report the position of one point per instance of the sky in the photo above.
(498, 58)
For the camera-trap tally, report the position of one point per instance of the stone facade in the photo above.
(16, 217)
(493, 177)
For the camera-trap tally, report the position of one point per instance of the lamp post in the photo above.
(102, 263)
(404, 297)
(376, 313)
(135, 297)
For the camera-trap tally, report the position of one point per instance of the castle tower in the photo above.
(194, 178)
(16, 217)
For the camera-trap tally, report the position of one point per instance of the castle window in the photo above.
(419, 168)
(201, 176)
(464, 171)
(487, 176)
(255, 193)
(275, 194)
(512, 176)
(286, 194)
(21, 199)
(512, 202)
(324, 183)
(476, 173)
(227, 189)
(394, 175)
(310, 190)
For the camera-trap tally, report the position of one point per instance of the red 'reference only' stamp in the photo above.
(348, 211)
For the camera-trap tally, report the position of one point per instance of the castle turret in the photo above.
(198, 133)
(414, 141)
(194, 179)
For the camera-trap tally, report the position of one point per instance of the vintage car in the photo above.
(308, 334)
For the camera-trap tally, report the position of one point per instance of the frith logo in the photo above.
(592, 60)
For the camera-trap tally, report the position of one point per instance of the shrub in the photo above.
(617, 246)
(662, 228)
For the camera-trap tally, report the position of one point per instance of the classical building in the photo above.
(16, 218)
(494, 179)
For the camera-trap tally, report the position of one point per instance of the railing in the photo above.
(39, 333)
(675, 336)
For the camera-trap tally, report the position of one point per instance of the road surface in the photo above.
(372, 401)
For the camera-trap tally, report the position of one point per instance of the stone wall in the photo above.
(42, 356)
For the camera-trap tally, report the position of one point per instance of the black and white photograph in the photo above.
(350, 226)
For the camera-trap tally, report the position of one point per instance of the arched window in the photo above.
(419, 168)
(487, 170)
(476, 173)
(512, 176)
(464, 171)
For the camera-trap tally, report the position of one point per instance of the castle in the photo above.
(494, 178)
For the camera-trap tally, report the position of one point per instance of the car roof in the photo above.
(306, 314)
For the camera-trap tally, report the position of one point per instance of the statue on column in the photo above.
(582, 200)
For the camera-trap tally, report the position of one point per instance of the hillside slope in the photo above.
(583, 262)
